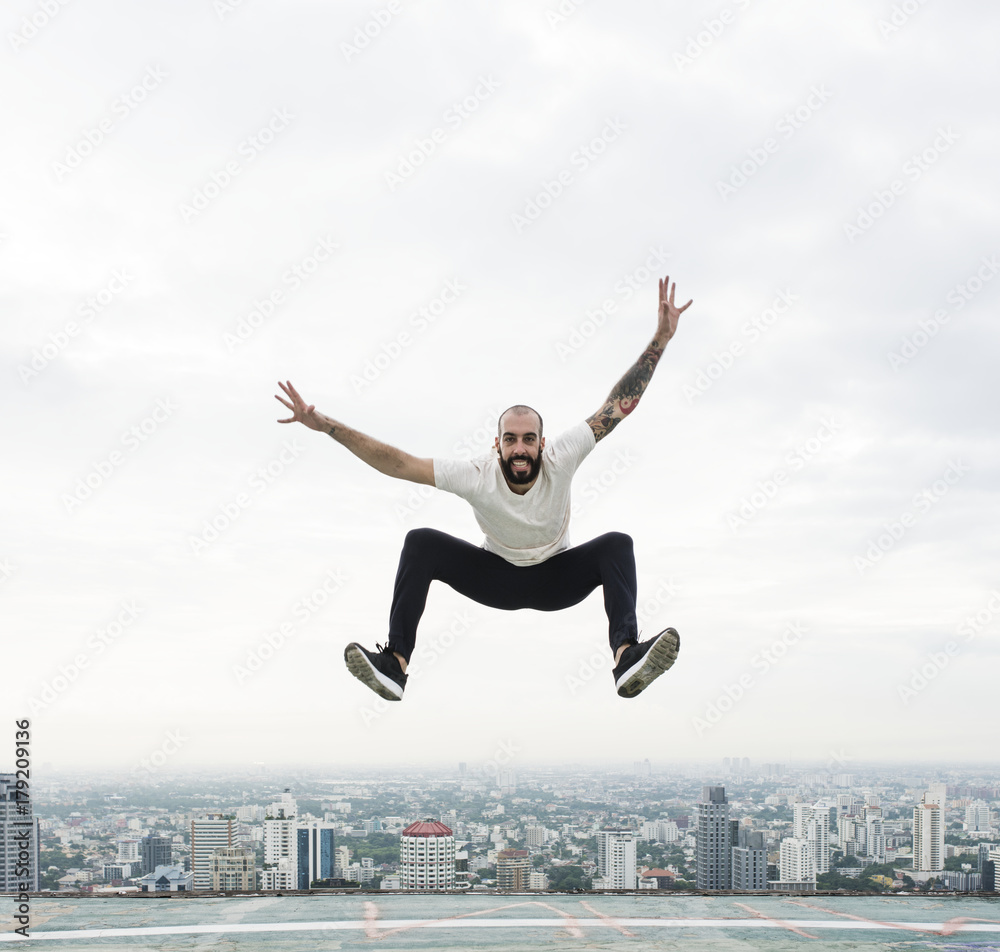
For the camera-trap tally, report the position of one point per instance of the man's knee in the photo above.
(424, 539)
(618, 540)
(418, 537)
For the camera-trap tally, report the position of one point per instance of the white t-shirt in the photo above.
(526, 529)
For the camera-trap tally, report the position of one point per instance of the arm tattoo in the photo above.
(625, 395)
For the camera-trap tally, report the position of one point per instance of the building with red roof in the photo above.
(427, 856)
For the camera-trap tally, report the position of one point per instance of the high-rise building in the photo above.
(874, 835)
(314, 852)
(616, 858)
(928, 834)
(845, 803)
(19, 839)
(507, 781)
(128, 849)
(513, 869)
(977, 817)
(535, 836)
(989, 860)
(797, 860)
(281, 864)
(749, 862)
(208, 834)
(660, 831)
(427, 856)
(284, 808)
(279, 840)
(936, 793)
(812, 823)
(713, 846)
(850, 834)
(154, 850)
(233, 868)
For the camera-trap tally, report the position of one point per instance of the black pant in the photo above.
(560, 581)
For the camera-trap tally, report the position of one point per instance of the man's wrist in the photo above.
(326, 425)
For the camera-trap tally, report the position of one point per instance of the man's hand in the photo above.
(386, 459)
(625, 395)
(669, 314)
(300, 412)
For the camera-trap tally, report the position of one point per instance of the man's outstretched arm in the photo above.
(625, 394)
(381, 456)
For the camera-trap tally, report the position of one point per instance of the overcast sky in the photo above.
(420, 213)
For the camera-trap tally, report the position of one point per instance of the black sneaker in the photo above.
(643, 663)
(380, 670)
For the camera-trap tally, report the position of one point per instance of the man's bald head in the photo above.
(519, 409)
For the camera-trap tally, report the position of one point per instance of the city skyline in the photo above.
(765, 828)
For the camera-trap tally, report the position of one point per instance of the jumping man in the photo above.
(521, 500)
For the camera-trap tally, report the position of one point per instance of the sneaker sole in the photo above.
(658, 659)
(359, 665)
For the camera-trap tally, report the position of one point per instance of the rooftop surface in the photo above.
(493, 923)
